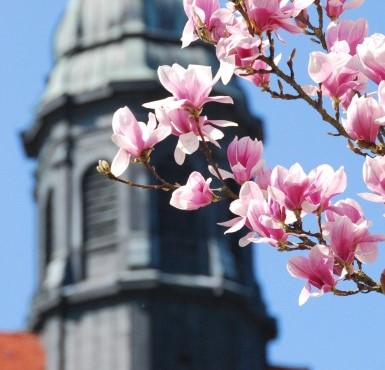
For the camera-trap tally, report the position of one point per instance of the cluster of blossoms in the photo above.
(272, 202)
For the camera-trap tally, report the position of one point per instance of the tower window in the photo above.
(100, 225)
(181, 237)
(100, 208)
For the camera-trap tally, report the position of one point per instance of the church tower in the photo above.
(126, 282)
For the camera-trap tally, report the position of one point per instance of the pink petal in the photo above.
(367, 252)
(304, 295)
(120, 162)
(179, 155)
(373, 197)
(319, 67)
(189, 143)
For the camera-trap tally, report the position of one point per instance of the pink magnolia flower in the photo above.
(249, 191)
(237, 52)
(363, 119)
(372, 56)
(262, 76)
(184, 126)
(290, 187)
(374, 177)
(349, 240)
(324, 184)
(271, 15)
(207, 20)
(259, 214)
(134, 138)
(190, 88)
(199, 13)
(266, 218)
(245, 158)
(334, 8)
(195, 194)
(346, 207)
(338, 72)
(347, 229)
(346, 32)
(317, 269)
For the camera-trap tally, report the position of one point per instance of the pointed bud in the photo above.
(103, 167)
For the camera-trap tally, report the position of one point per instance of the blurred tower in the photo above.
(125, 281)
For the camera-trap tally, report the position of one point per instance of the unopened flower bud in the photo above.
(103, 167)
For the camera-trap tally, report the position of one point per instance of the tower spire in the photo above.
(126, 281)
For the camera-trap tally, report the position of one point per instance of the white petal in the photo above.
(189, 143)
(120, 162)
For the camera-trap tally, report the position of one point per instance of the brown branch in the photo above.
(104, 169)
(313, 103)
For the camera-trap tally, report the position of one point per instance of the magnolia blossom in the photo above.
(324, 184)
(195, 194)
(363, 119)
(238, 52)
(206, 20)
(346, 35)
(334, 8)
(185, 126)
(268, 228)
(190, 88)
(372, 56)
(374, 177)
(245, 159)
(275, 14)
(347, 230)
(134, 138)
(349, 240)
(290, 187)
(317, 269)
(239, 207)
(296, 191)
(199, 13)
(346, 207)
(338, 72)
(261, 77)
(259, 213)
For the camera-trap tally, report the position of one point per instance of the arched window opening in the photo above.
(100, 224)
(100, 207)
(181, 237)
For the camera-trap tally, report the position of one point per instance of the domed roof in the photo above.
(99, 42)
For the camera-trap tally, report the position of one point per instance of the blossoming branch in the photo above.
(272, 203)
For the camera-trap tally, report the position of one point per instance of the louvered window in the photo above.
(100, 209)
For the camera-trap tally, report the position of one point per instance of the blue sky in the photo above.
(326, 333)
